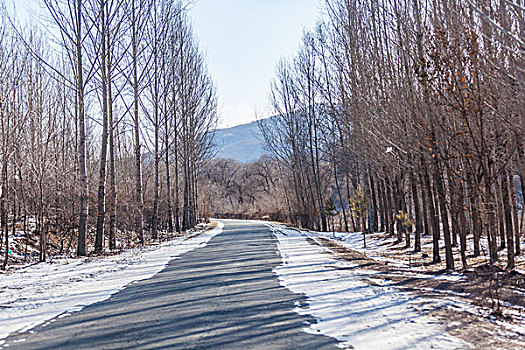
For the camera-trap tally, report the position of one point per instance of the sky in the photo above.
(243, 41)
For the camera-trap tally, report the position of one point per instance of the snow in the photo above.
(375, 248)
(39, 293)
(349, 308)
(382, 249)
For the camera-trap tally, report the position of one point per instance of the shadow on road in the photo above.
(221, 296)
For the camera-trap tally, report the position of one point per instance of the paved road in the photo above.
(221, 296)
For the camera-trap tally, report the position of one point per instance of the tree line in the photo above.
(107, 113)
(406, 117)
(231, 189)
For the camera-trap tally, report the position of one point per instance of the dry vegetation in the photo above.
(105, 121)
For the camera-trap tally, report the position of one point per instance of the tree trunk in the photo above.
(390, 206)
(139, 201)
(417, 210)
(167, 162)
(509, 232)
(156, 126)
(340, 196)
(101, 199)
(424, 204)
(354, 227)
(112, 174)
(515, 216)
(489, 219)
(477, 226)
(463, 229)
(112, 178)
(83, 186)
(449, 258)
(381, 199)
(500, 214)
(3, 202)
(434, 226)
(373, 215)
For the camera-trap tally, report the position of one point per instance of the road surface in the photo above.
(221, 296)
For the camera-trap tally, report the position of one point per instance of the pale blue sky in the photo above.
(243, 41)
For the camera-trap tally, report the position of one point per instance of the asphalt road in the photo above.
(221, 296)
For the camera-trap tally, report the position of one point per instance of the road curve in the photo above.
(221, 296)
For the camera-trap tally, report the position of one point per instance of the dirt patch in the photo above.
(500, 295)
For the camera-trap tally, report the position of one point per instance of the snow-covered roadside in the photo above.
(39, 293)
(409, 264)
(351, 310)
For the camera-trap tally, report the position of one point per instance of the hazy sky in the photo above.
(243, 41)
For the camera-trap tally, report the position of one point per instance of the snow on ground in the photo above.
(376, 248)
(41, 292)
(382, 249)
(351, 310)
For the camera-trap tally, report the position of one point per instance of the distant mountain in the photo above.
(242, 143)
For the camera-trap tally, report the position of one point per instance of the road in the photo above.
(221, 296)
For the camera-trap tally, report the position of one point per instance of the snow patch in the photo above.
(41, 292)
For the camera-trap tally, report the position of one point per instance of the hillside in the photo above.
(242, 143)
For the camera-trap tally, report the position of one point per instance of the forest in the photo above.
(377, 202)
(107, 112)
(404, 117)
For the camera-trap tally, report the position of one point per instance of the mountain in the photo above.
(242, 143)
